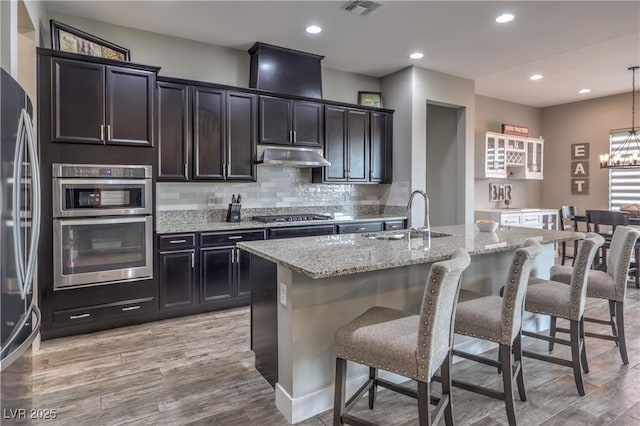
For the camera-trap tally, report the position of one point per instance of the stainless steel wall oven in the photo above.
(103, 227)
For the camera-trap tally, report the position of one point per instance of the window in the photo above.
(624, 184)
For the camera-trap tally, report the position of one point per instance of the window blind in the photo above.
(624, 184)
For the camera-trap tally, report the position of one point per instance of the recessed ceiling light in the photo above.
(505, 17)
(416, 55)
(535, 77)
(583, 91)
(313, 29)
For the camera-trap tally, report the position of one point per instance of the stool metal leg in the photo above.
(424, 398)
(446, 389)
(517, 356)
(552, 332)
(373, 375)
(340, 389)
(621, 338)
(507, 382)
(575, 356)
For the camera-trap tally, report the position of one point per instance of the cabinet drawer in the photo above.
(301, 231)
(390, 225)
(109, 310)
(172, 242)
(510, 219)
(352, 228)
(531, 220)
(226, 238)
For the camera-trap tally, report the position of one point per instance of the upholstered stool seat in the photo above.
(480, 314)
(384, 338)
(610, 285)
(559, 300)
(414, 346)
(499, 319)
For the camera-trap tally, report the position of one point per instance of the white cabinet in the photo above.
(501, 156)
(527, 218)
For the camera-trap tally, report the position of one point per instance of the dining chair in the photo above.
(414, 346)
(610, 285)
(498, 319)
(604, 222)
(559, 300)
(567, 222)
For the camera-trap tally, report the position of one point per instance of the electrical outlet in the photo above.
(211, 201)
(283, 294)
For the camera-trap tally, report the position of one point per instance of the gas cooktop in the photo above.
(291, 217)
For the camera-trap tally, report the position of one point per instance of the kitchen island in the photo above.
(303, 290)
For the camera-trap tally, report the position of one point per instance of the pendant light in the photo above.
(626, 153)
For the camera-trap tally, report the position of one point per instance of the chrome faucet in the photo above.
(427, 226)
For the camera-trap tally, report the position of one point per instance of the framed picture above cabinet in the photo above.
(68, 39)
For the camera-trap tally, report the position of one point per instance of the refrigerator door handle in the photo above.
(24, 346)
(35, 203)
(17, 207)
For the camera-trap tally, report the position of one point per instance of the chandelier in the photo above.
(625, 154)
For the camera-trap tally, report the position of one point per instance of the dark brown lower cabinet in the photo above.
(216, 274)
(177, 279)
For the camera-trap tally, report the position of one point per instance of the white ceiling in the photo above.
(574, 44)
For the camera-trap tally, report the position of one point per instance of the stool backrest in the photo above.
(587, 249)
(622, 245)
(567, 213)
(516, 289)
(595, 218)
(435, 336)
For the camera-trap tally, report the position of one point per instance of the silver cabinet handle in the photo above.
(185, 170)
(177, 241)
(193, 260)
(79, 316)
(294, 136)
(131, 308)
(102, 132)
(361, 229)
(235, 237)
(108, 132)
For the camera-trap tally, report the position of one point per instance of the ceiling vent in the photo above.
(361, 7)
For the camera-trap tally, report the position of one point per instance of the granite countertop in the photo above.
(515, 210)
(335, 255)
(172, 228)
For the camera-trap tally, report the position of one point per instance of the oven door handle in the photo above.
(100, 221)
(101, 182)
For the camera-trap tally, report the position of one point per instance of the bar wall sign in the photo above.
(580, 168)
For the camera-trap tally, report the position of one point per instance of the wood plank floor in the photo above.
(199, 370)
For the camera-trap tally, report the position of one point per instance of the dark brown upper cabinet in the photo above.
(206, 133)
(290, 122)
(381, 150)
(101, 104)
(346, 146)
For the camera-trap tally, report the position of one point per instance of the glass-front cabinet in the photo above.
(535, 149)
(504, 156)
(494, 156)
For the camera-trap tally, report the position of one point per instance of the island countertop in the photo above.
(336, 255)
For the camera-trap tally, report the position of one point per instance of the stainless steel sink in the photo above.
(404, 235)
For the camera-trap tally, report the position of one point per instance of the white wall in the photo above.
(490, 115)
(578, 122)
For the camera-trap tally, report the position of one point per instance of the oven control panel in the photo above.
(101, 171)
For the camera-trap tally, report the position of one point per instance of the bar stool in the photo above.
(499, 319)
(595, 219)
(567, 302)
(414, 346)
(610, 285)
(567, 222)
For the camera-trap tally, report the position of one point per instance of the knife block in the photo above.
(233, 212)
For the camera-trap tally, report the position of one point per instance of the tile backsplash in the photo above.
(276, 187)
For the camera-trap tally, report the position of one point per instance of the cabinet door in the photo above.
(307, 124)
(241, 136)
(335, 143)
(495, 156)
(358, 146)
(243, 271)
(129, 103)
(208, 134)
(174, 131)
(381, 147)
(177, 279)
(77, 102)
(216, 274)
(534, 159)
(275, 121)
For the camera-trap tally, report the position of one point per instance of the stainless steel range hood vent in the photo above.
(291, 157)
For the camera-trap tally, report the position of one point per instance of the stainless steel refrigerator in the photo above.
(19, 235)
